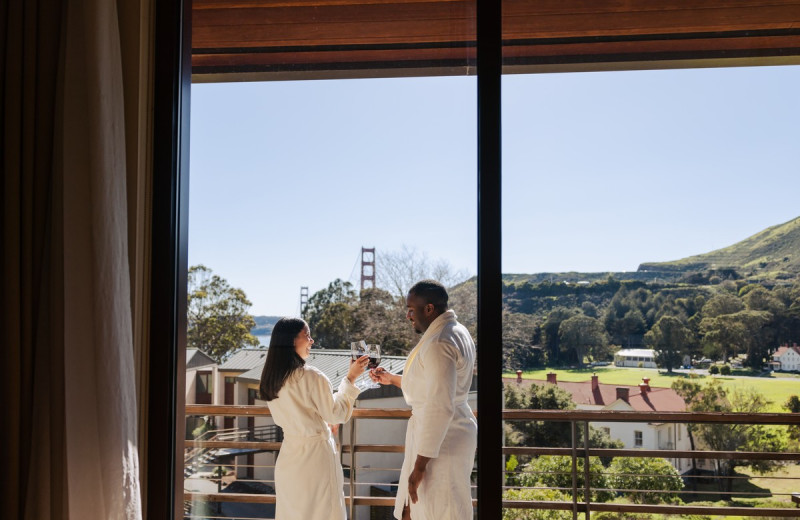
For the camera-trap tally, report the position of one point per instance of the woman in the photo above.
(308, 475)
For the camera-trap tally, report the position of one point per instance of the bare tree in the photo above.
(397, 271)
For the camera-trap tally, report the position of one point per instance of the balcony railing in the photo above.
(581, 504)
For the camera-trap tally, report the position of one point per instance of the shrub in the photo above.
(725, 370)
(713, 369)
(651, 480)
(535, 495)
(555, 471)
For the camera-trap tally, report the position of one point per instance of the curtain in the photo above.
(69, 382)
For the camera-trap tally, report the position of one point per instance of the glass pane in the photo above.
(650, 241)
(333, 166)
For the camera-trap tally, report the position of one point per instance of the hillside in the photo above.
(264, 325)
(772, 254)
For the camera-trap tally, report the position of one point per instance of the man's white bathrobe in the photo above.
(436, 381)
(308, 476)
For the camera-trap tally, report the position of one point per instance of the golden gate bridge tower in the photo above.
(303, 299)
(367, 268)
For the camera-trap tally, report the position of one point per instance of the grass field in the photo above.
(776, 389)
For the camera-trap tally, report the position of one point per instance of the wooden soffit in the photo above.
(294, 39)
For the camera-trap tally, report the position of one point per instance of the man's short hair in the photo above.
(432, 292)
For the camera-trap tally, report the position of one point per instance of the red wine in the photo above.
(373, 362)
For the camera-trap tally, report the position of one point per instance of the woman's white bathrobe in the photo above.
(308, 475)
(436, 381)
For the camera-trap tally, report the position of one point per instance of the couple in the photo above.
(442, 432)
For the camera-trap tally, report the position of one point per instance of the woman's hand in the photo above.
(357, 368)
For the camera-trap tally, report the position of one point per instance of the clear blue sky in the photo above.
(601, 171)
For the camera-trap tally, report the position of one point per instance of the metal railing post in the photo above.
(587, 495)
(574, 425)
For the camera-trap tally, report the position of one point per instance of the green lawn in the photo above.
(776, 389)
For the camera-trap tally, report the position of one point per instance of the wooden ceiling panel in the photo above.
(277, 39)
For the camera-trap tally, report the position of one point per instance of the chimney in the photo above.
(519, 376)
(645, 385)
(595, 382)
(623, 393)
(551, 378)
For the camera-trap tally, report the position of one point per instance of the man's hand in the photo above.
(382, 376)
(416, 476)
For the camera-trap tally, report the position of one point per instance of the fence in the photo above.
(581, 503)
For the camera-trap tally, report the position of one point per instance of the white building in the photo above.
(787, 358)
(594, 395)
(201, 374)
(632, 357)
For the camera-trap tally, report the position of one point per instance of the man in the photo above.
(442, 432)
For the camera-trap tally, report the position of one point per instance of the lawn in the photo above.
(776, 389)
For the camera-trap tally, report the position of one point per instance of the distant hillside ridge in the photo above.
(264, 325)
(772, 254)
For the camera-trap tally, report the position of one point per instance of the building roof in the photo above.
(197, 358)
(653, 400)
(332, 363)
(638, 352)
(783, 349)
(244, 360)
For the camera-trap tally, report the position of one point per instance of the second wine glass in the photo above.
(374, 353)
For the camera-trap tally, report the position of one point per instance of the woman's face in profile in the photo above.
(303, 342)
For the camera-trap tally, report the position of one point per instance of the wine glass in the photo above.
(374, 353)
(358, 349)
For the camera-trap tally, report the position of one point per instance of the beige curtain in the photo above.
(74, 199)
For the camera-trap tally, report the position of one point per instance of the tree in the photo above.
(738, 436)
(550, 434)
(397, 271)
(583, 335)
(729, 334)
(793, 406)
(218, 322)
(722, 303)
(533, 433)
(645, 476)
(552, 341)
(520, 334)
(668, 338)
(329, 314)
(689, 389)
(378, 317)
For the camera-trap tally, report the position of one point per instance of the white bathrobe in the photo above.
(308, 476)
(436, 381)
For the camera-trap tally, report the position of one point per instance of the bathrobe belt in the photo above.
(295, 437)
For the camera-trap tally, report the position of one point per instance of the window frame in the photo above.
(169, 243)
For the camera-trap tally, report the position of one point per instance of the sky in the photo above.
(601, 171)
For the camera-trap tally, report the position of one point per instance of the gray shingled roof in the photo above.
(333, 363)
(244, 360)
(197, 358)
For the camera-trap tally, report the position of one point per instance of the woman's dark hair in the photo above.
(282, 359)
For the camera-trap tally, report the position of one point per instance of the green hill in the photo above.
(772, 254)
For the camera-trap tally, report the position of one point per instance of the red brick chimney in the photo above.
(551, 378)
(644, 386)
(595, 382)
(519, 376)
(623, 393)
